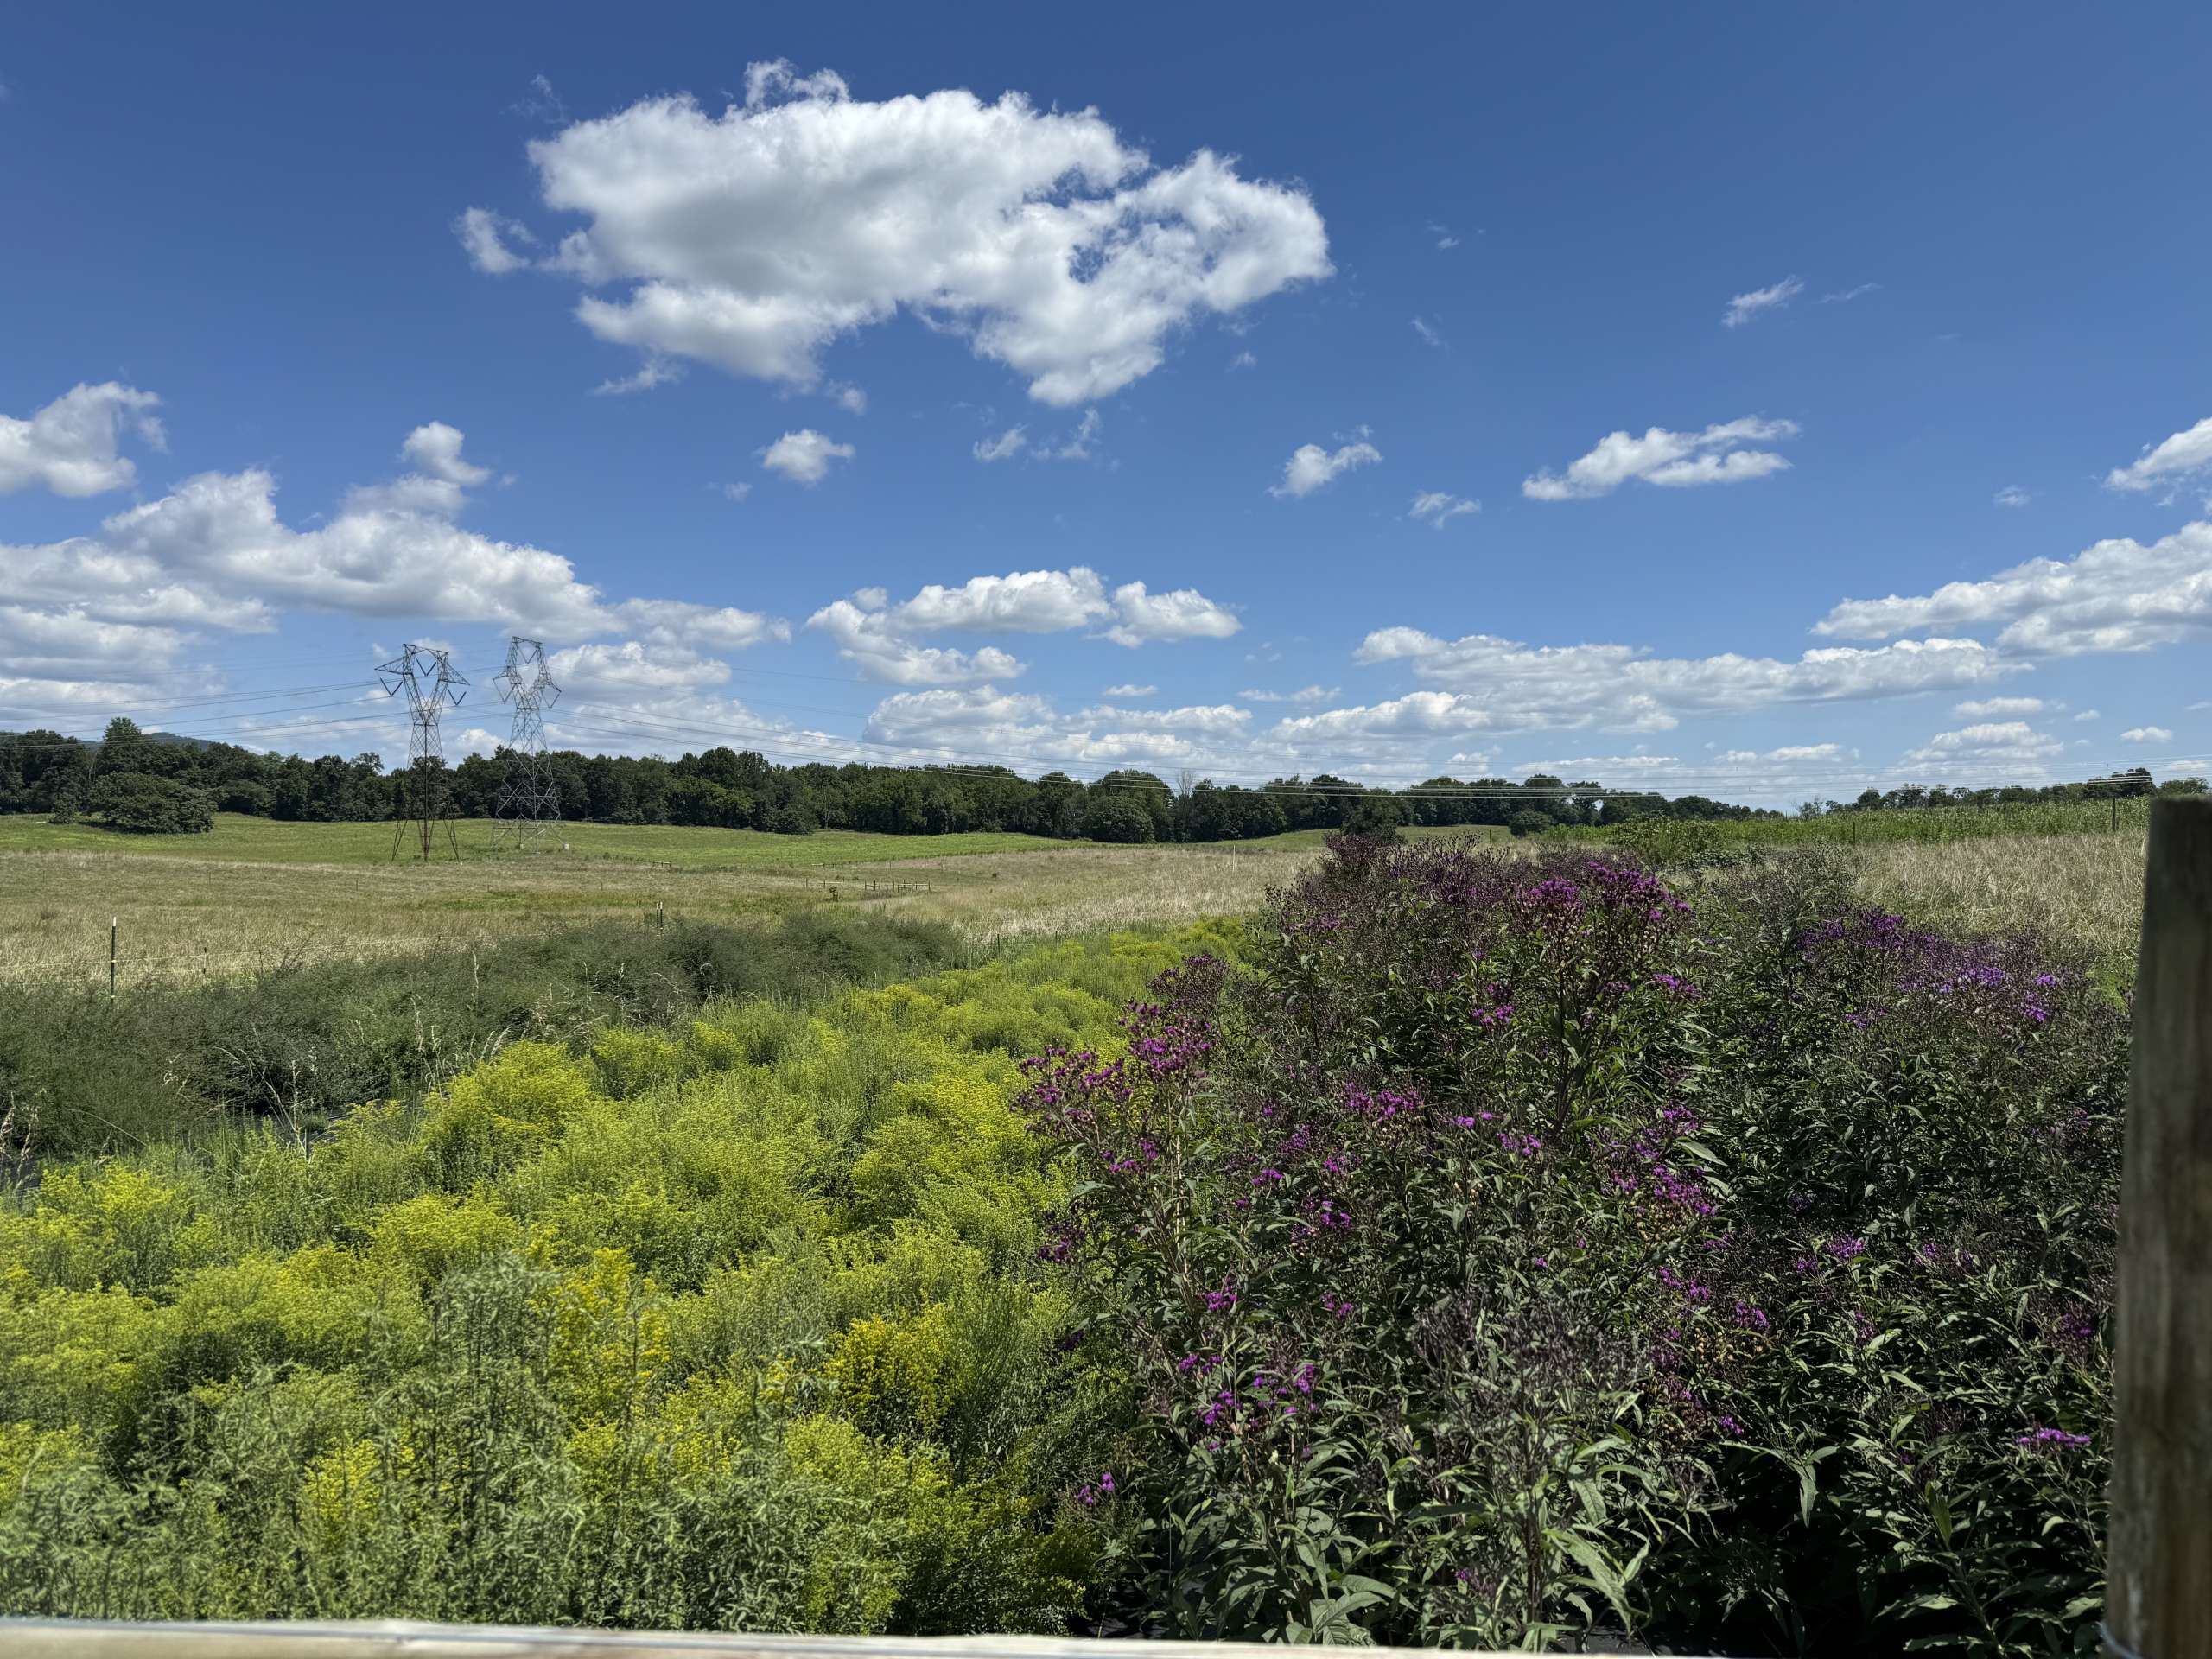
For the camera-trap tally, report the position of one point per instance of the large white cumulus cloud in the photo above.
(752, 239)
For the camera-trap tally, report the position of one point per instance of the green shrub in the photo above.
(1117, 818)
(141, 804)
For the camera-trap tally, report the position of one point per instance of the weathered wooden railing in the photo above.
(2159, 1605)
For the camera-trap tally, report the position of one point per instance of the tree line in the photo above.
(149, 781)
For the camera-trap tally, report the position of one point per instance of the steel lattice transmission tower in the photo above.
(431, 681)
(530, 800)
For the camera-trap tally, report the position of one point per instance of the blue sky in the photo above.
(462, 322)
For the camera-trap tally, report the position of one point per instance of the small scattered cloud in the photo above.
(484, 235)
(1986, 750)
(1431, 334)
(1438, 508)
(883, 638)
(804, 456)
(1998, 708)
(2088, 715)
(2010, 496)
(1845, 297)
(2170, 461)
(1745, 306)
(1673, 459)
(1310, 467)
(655, 372)
(439, 484)
(1243, 360)
(2146, 734)
(541, 102)
(1304, 696)
(1445, 240)
(1078, 447)
(434, 448)
(1130, 691)
(737, 492)
(1183, 613)
(1004, 447)
(851, 399)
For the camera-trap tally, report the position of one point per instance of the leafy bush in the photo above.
(141, 804)
(1374, 816)
(739, 1327)
(1117, 819)
(1519, 1252)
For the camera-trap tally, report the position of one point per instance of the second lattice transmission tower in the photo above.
(530, 799)
(426, 675)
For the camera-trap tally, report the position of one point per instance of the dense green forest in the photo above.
(45, 771)
(147, 781)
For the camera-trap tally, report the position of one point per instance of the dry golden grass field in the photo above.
(255, 895)
(2085, 889)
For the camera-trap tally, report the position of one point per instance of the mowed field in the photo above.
(254, 894)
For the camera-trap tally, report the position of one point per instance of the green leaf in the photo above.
(1939, 1510)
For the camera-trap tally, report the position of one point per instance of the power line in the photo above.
(426, 675)
(530, 798)
(228, 697)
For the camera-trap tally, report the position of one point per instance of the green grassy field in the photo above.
(262, 841)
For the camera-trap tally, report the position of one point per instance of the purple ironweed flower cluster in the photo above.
(1643, 1166)
(1509, 1089)
(1891, 972)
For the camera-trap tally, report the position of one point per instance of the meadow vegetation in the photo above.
(737, 1326)
(83, 1072)
(1487, 1243)
(255, 897)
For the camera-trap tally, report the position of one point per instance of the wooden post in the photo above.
(2159, 1555)
(114, 934)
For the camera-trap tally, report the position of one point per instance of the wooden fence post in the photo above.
(2159, 1555)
